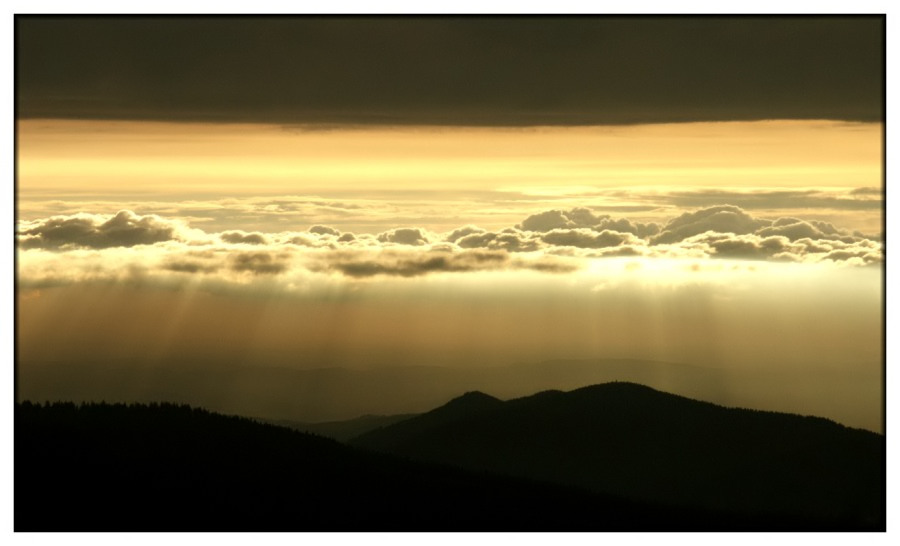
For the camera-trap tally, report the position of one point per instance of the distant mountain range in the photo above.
(341, 430)
(630, 440)
(852, 396)
(613, 457)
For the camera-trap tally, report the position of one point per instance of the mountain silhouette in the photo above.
(329, 394)
(163, 467)
(341, 430)
(471, 401)
(615, 457)
(630, 440)
(470, 404)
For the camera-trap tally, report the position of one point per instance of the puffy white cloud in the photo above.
(476, 240)
(459, 233)
(623, 225)
(866, 256)
(242, 237)
(404, 236)
(719, 219)
(545, 221)
(509, 239)
(779, 247)
(795, 228)
(586, 238)
(581, 217)
(301, 240)
(557, 219)
(125, 228)
(324, 230)
(513, 240)
(754, 247)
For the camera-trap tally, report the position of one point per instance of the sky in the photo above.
(489, 196)
(490, 71)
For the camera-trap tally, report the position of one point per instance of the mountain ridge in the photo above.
(165, 467)
(631, 440)
(315, 394)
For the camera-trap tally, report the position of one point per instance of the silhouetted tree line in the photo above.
(136, 467)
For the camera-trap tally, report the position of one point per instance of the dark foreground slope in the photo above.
(164, 467)
(341, 430)
(630, 440)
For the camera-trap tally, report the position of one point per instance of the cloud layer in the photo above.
(641, 212)
(81, 246)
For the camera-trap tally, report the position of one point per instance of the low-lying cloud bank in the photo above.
(551, 241)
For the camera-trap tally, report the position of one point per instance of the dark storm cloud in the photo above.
(451, 70)
(93, 231)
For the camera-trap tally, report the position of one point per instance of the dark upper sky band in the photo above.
(508, 71)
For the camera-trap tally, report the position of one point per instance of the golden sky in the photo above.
(197, 195)
(744, 247)
(94, 156)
